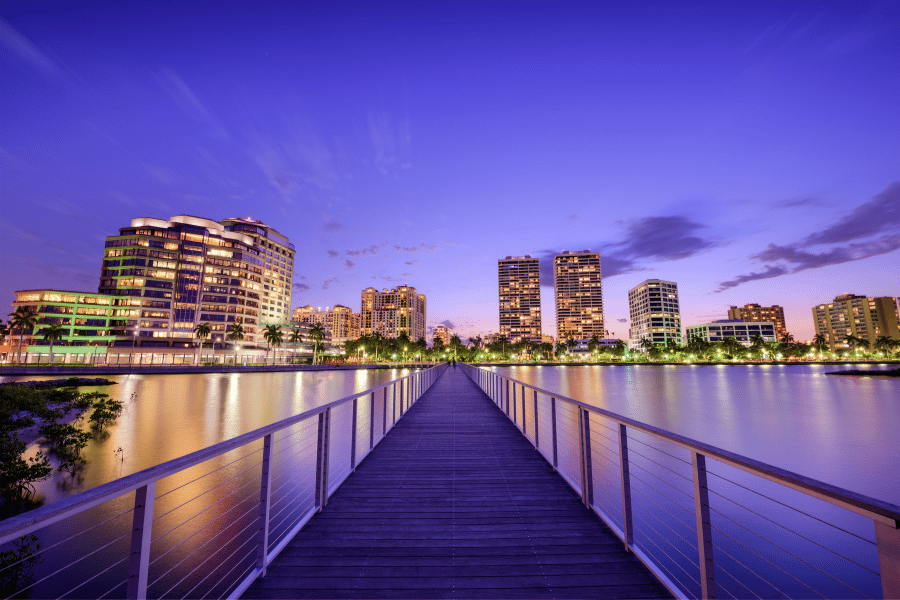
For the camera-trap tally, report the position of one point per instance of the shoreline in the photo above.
(15, 371)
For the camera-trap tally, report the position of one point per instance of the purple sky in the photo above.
(748, 151)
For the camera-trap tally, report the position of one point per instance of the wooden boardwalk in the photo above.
(455, 503)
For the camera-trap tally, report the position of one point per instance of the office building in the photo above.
(742, 331)
(579, 295)
(655, 313)
(170, 276)
(277, 255)
(340, 322)
(761, 314)
(393, 312)
(443, 333)
(519, 282)
(858, 316)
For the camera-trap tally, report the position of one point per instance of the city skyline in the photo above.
(419, 144)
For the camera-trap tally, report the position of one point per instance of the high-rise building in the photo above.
(443, 333)
(579, 295)
(277, 255)
(340, 322)
(520, 298)
(392, 312)
(655, 313)
(858, 316)
(761, 314)
(170, 276)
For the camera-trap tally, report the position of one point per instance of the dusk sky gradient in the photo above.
(749, 151)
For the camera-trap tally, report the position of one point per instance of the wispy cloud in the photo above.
(447, 323)
(349, 263)
(391, 141)
(622, 320)
(333, 253)
(301, 287)
(182, 95)
(423, 247)
(333, 226)
(371, 250)
(851, 238)
(328, 282)
(19, 46)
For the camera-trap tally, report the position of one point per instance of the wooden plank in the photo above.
(455, 503)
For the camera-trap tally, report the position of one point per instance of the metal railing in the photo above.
(209, 523)
(709, 523)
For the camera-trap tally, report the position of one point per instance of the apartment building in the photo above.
(858, 316)
(340, 322)
(443, 333)
(655, 313)
(277, 255)
(173, 275)
(579, 295)
(393, 312)
(519, 284)
(761, 314)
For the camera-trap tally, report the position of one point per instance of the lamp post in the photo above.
(236, 350)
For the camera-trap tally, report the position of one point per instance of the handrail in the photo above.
(859, 503)
(411, 387)
(502, 390)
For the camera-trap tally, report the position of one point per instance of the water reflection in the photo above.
(840, 430)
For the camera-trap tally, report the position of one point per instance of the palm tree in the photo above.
(852, 341)
(884, 343)
(235, 334)
(202, 330)
(820, 342)
(24, 319)
(274, 337)
(295, 338)
(476, 341)
(53, 332)
(317, 333)
(646, 344)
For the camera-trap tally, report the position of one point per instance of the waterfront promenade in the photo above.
(455, 503)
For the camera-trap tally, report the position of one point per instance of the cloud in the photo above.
(423, 247)
(189, 102)
(412, 262)
(350, 264)
(391, 141)
(334, 226)
(328, 282)
(373, 250)
(660, 238)
(879, 215)
(22, 48)
(622, 320)
(333, 253)
(572, 218)
(447, 323)
(301, 287)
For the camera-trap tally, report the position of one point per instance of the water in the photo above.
(768, 541)
(841, 430)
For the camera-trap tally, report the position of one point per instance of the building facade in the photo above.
(742, 331)
(579, 295)
(393, 312)
(443, 333)
(277, 255)
(858, 316)
(519, 283)
(341, 323)
(655, 313)
(762, 314)
(173, 275)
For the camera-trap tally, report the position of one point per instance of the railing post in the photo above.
(384, 415)
(265, 497)
(587, 473)
(507, 397)
(353, 437)
(141, 530)
(514, 405)
(628, 528)
(322, 459)
(553, 428)
(372, 421)
(537, 437)
(704, 528)
(887, 538)
(393, 404)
